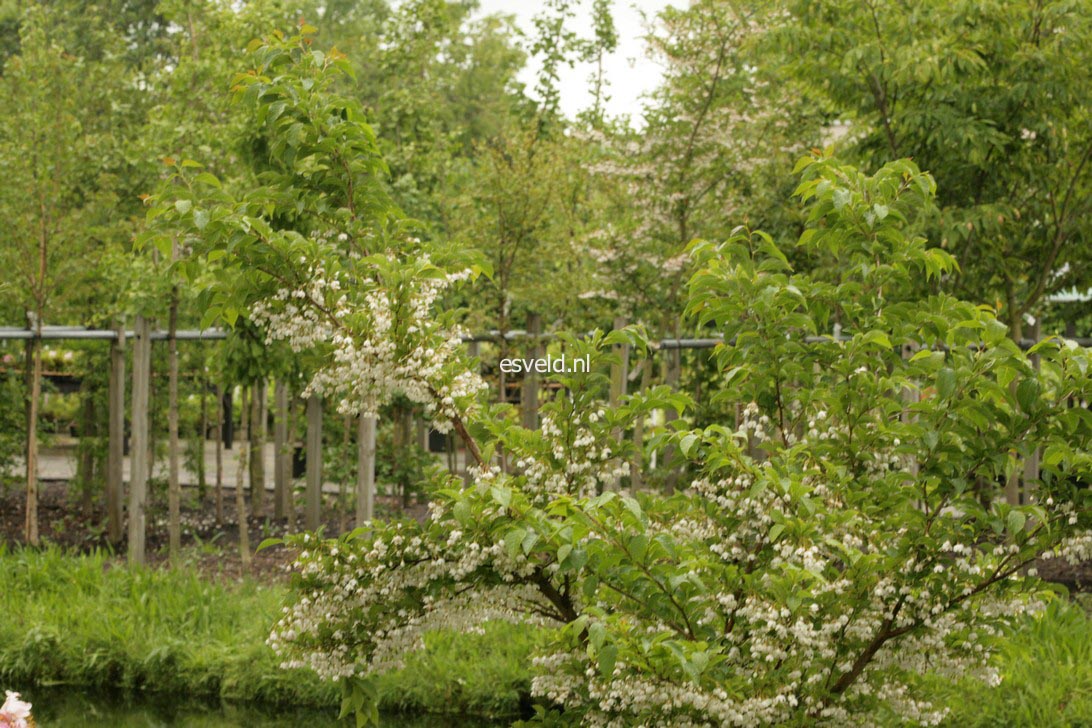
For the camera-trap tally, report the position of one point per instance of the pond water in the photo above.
(72, 708)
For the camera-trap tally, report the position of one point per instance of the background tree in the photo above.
(993, 98)
(55, 153)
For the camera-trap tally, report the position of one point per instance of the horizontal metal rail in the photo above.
(77, 333)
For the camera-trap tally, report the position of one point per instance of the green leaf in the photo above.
(1027, 394)
(183, 206)
(597, 635)
(269, 542)
(501, 495)
(608, 656)
(946, 382)
(688, 442)
(513, 541)
(1015, 521)
(208, 179)
(529, 542)
(878, 338)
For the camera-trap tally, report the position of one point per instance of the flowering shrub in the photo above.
(15, 713)
(842, 538)
(313, 250)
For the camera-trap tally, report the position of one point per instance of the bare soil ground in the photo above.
(209, 545)
(212, 547)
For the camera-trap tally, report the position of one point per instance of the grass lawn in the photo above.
(81, 621)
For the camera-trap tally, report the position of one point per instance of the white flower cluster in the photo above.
(628, 700)
(367, 602)
(377, 340)
(575, 458)
(1076, 549)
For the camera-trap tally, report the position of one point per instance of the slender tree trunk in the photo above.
(636, 474)
(139, 470)
(240, 483)
(280, 438)
(529, 405)
(313, 511)
(174, 486)
(116, 455)
(342, 481)
(257, 450)
(365, 474)
(502, 380)
(202, 436)
(502, 347)
(34, 398)
(410, 437)
(85, 465)
(619, 376)
(152, 409)
(475, 353)
(219, 495)
(291, 437)
(672, 366)
(228, 403)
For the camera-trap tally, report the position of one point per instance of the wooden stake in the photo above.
(289, 456)
(637, 463)
(313, 507)
(138, 477)
(619, 375)
(365, 473)
(240, 483)
(529, 396)
(257, 449)
(475, 350)
(174, 486)
(116, 449)
(280, 438)
(672, 367)
(219, 433)
(34, 388)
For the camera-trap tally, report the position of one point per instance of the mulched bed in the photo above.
(1076, 578)
(207, 545)
(213, 548)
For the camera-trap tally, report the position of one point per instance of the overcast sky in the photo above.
(628, 70)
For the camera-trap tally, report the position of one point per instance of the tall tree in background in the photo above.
(439, 83)
(993, 99)
(55, 125)
(718, 144)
